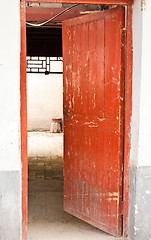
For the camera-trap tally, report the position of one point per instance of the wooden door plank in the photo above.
(96, 73)
(84, 68)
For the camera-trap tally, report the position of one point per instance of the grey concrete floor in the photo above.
(46, 218)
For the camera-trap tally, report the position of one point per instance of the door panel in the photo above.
(93, 118)
(96, 68)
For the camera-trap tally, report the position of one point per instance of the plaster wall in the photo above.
(141, 97)
(44, 100)
(10, 86)
(136, 82)
(145, 93)
(10, 157)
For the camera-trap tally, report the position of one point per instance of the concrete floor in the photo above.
(47, 219)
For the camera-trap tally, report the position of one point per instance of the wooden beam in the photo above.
(108, 2)
(44, 13)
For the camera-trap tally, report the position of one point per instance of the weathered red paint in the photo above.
(114, 2)
(93, 98)
(128, 114)
(23, 115)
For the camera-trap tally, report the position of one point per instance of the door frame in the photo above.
(128, 104)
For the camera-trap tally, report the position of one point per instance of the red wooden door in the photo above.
(93, 118)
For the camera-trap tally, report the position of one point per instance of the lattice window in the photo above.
(46, 65)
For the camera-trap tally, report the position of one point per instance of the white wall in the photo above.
(145, 93)
(141, 94)
(44, 99)
(137, 55)
(10, 85)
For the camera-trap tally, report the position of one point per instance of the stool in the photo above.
(56, 125)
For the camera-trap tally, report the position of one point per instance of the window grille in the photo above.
(46, 65)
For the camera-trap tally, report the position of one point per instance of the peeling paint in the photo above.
(101, 119)
(91, 124)
(143, 5)
(112, 199)
(88, 12)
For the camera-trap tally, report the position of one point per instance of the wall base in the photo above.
(140, 203)
(10, 205)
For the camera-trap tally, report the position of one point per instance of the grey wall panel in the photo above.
(10, 205)
(140, 203)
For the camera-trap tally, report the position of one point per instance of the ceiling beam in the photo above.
(38, 13)
(107, 2)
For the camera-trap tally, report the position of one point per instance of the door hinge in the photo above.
(122, 207)
(124, 33)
